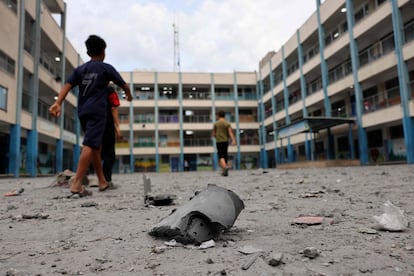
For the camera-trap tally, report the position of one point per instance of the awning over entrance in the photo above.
(313, 124)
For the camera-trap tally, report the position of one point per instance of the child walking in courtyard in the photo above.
(222, 131)
(92, 78)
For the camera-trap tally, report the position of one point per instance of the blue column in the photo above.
(59, 150)
(180, 117)
(324, 67)
(286, 99)
(213, 119)
(362, 135)
(157, 134)
(15, 129)
(303, 91)
(262, 130)
(331, 146)
(14, 151)
(236, 114)
(32, 135)
(274, 111)
(351, 142)
(404, 81)
(308, 146)
(131, 125)
(32, 150)
(59, 142)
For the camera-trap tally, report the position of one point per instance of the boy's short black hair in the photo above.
(221, 114)
(95, 45)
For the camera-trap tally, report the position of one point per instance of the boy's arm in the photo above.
(127, 92)
(115, 115)
(54, 109)
(233, 140)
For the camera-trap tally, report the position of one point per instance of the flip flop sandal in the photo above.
(105, 188)
(82, 193)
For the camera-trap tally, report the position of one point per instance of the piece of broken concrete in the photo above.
(203, 218)
(308, 220)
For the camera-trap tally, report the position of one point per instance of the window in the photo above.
(3, 98)
(6, 63)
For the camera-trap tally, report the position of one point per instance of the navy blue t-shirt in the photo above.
(93, 78)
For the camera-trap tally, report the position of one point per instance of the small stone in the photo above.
(311, 252)
(275, 259)
(209, 261)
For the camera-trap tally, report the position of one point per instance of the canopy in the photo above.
(313, 124)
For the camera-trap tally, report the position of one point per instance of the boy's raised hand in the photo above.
(54, 110)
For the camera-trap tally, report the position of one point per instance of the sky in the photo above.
(213, 35)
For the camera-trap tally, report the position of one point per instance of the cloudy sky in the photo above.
(214, 35)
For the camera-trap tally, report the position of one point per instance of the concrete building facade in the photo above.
(340, 88)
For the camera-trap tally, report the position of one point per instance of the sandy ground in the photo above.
(107, 234)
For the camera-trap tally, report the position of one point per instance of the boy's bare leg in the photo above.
(222, 164)
(83, 165)
(97, 164)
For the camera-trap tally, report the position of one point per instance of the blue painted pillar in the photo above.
(236, 113)
(286, 99)
(351, 142)
(156, 119)
(362, 135)
(32, 135)
(262, 130)
(331, 146)
(131, 126)
(180, 118)
(14, 150)
(303, 92)
(324, 66)
(404, 81)
(274, 109)
(59, 142)
(32, 150)
(213, 119)
(308, 146)
(59, 150)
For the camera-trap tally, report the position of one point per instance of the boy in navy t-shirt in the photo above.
(92, 78)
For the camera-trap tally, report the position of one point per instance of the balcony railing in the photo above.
(198, 142)
(382, 100)
(197, 119)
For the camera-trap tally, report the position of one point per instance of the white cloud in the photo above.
(214, 35)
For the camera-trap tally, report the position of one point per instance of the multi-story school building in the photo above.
(339, 89)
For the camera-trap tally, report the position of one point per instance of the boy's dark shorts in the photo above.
(93, 128)
(222, 150)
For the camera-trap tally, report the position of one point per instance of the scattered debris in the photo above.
(89, 204)
(172, 242)
(308, 220)
(393, 218)
(366, 230)
(157, 200)
(15, 192)
(159, 249)
(311, 252)
(251, 261)
(248, 249)
(202, 218)
(35, 216)
(275, 259)
(65, 178)
(207, 244)
(312, 194)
